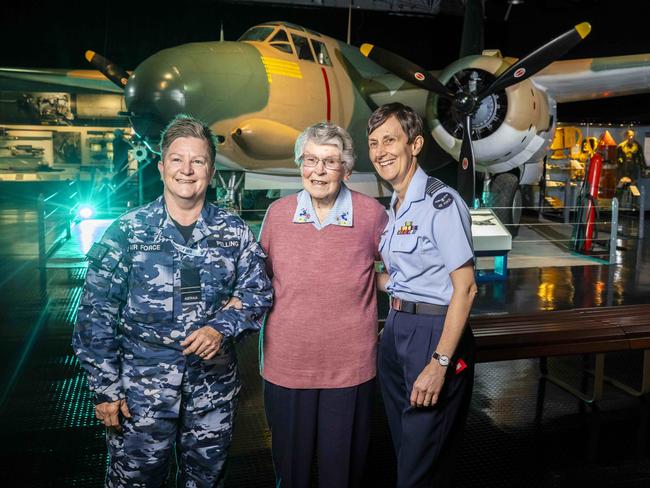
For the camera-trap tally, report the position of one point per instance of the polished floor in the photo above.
(520, 433)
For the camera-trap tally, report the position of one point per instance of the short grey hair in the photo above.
(329, 134)
(184, 125)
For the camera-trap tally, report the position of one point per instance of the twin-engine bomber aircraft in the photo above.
(259, 92)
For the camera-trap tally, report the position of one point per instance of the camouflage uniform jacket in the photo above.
(133, 314)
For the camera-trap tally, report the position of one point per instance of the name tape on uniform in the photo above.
(223, 243)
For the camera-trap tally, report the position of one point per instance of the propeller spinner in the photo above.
(467, 98)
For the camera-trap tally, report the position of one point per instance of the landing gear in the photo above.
(505, 196)
(229, 195)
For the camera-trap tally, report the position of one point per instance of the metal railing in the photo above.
(561, 229)
(55, 214)
(635, 205)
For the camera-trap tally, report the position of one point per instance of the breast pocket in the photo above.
(407, 254)
(151, 287)
(219, 274)
(406, 244)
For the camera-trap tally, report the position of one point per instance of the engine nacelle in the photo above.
(509, 128)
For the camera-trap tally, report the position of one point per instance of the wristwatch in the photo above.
(442, 359)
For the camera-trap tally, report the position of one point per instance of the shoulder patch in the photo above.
(96, 253)
(443, 200)
(104, 257)
(433, 185)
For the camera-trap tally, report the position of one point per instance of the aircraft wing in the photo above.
(55, 80)
(588, 79)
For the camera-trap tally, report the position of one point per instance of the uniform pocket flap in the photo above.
(404, 244)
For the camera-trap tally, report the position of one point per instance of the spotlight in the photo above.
(86, 211)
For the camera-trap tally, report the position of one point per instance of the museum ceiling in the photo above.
(56, 34)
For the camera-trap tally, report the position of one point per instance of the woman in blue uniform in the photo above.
(426, 351)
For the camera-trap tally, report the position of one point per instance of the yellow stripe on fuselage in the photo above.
(274, 66)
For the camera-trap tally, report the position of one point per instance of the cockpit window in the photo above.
(280, 36)
(322, 56)
(257, 34)
(285, 47)
(302, 47)
(280, 41)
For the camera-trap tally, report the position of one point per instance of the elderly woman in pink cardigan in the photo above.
(320, 337)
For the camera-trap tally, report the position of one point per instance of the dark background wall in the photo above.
(56, 34)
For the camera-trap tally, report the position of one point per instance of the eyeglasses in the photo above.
(309, 161)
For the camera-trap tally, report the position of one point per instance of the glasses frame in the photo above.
(339, 164)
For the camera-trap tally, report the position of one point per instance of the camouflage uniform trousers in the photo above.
(140, 454)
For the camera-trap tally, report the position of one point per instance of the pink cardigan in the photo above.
(322, 329)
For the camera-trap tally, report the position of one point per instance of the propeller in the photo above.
(406, 70)
(110, 70)
(465, 101)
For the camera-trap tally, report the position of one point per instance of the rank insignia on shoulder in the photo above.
(96, 253)
(443, 200)
(407, 228)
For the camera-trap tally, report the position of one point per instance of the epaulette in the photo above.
(442, 200)
(433, 185)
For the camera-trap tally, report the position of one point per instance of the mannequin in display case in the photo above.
(629, 155)
(630, 159)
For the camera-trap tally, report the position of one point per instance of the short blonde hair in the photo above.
(184, 125)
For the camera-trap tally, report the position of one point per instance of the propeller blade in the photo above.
(539, 59)
(466, 180)
(109, 69)
(406, 70)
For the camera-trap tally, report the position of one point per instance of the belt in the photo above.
(417, 307)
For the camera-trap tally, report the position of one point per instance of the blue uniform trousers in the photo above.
(333, 421)
(426, 438)
(140, 455)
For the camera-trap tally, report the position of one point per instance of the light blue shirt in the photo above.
(426, 239)
(339, 214)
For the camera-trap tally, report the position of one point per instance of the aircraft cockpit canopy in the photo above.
(290, 39)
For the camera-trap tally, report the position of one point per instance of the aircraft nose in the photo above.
(213, 81)
(155, 93)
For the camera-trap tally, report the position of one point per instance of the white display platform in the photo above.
(488, 233)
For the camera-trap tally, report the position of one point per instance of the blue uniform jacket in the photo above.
(133, 314)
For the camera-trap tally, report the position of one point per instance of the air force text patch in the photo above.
(443, 200)
(142, 247)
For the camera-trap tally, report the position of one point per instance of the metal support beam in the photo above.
(613, 231)
(599, 374)
(641, 212)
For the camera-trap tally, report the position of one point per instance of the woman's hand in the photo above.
(108, 413)
(428, 385)
(234, 302)
(204, 342)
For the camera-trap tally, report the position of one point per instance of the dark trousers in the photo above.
(425, 438)
(334, 422)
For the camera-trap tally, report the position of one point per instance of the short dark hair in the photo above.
(410, 121)
(184, 125)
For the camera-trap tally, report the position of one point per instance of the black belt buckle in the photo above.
(409, 307)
